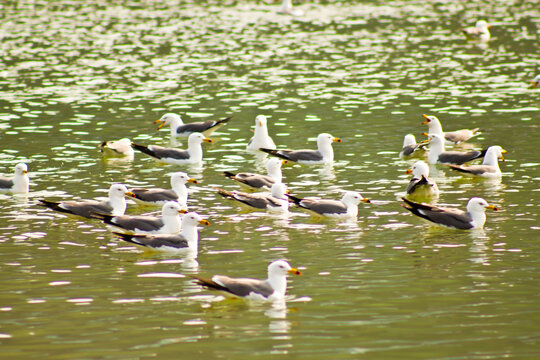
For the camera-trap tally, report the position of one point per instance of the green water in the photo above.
(388, 286)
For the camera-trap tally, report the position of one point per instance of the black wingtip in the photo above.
(229, 174)
(294, 199)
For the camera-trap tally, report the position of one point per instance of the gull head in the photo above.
(198, 138)
(477, 204)
(353, 198)
(168, 119)
(418, 169)
(21, 169)
(171, 208)
(281, 268)
(119, 190)
(181, 178)
(192, 218)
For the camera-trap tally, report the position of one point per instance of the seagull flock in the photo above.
(176, 229)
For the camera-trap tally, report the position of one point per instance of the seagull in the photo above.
(179, 129)
(438, 155)
(473, 218)
(271, 289)
(421, 184)
(346, 207)
(275, 202)
(287, 9)
(115, 205)
(410, 146)
(188, 238)
(261, 139)
(480, 32)
(19, 183)
(453, 136)
(179, 192)
(258, 181)
(490, 165)
(535, 82)
(193, 154)
(323, 154)
(117, 148)
(169, 222)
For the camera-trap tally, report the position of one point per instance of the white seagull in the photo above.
(323, 155)
(188, 239)
(421, 184)
(179, 129)
(346, 207)
(473, 218)
(19, 183)
(115, 205)
(259, 181)
(410, 146)
(178, 193)
(117, 148)
(275, 202)
(271, 289)
(451, 136)
(490, 165)
(168, 223)
(480, 32)
(261, 139)
(437, 153)
(193, 154)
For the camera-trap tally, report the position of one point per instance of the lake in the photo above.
(387, 286)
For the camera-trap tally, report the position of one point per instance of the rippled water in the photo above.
(388, 286)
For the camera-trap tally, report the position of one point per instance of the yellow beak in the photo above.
(193, 181)
(294, 271)
(427, 119)
(337, 140)
(491, 207)
(204, 222)
(366, 200)
(409, 171)
(207, 140)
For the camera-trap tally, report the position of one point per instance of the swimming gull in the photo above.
(451, 136)
(275, 201)
(271, 289)
(410, 146)
(473, 218)
(437, 153)
(188, 238)
(421, 185)
(490, 165)
(178, 193)
(480, 32)
(19, 183)
(115, 205)
(117, 148)
(323, 154)
(168, 223)
(258, 181)
(346, 207)
(179, 129)
(193, 154)
(261, 139)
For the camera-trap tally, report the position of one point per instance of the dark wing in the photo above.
(473, 169)
(131, 223)
(238, 287)
(320, 206)
(459, 158)
(201, 126)
(83, 208)
(154, 195)
(254, 200)
(295, 155)
(415, 183)
(442, 216)
(6, 184)
(155, 241)
(161, 152)
(254, 180)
